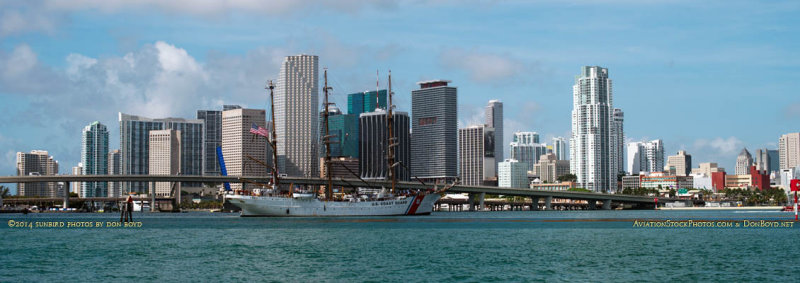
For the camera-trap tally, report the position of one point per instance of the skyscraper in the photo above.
(344, 131)
(134, 146)
(238, 143)
(296, 116)
(789, 150)
(476, 149)
(618, 141)
(39, 163)
(743, 162)
(164, 158)
(434, 110)
(645, 157)
(94, 157)
(592, 143)
(494, 119)
(526, 149)
(75, 187)
(364, 102)
(114, 168)
(560, 148)
(374, 138)
(766, 160)
(682, 163)
(212, 136)
(512, 174)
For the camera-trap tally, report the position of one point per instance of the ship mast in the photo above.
(274, 141)
(326, 140)
(391, 139)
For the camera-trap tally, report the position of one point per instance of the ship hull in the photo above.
(311, 207)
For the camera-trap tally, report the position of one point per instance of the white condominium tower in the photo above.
(592, 145)
(645, 157)
(296, 116)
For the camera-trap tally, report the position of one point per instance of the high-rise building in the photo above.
(37, 163)
(165, 158)
(94, 157)
(364, 102)
(212, 136)
(434, 110)
(75, 187)
(296, 116)
(134, 139)
(645, 157)
(494, 119)
(238, 143)
(134, 146)
(525, 138)
(743, 162)
(343, 129)
(476, 149)
(373, 150)
(512, 174)
(560, 148)
(767, 160)
(789, 147)
(591, 145)
(618, 141)
(774, 161)
(682, 163)
(114, 168)
(706, 168)
(549, 168)
(525, 148)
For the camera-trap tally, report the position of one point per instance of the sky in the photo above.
(708, 77)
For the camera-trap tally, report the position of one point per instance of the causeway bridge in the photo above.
(476, 193)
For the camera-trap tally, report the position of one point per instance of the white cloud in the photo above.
(722, 146)
(481, 66)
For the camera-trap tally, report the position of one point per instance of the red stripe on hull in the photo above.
(417, 201)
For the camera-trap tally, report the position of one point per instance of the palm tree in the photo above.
(4, 192)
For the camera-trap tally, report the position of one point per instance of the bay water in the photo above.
(445, 246)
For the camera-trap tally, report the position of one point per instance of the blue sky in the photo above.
(709, 77)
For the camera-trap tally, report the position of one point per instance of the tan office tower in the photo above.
(789, 151)
(549, 168)
(296, 116)
(238, 143)
(682, 163)
(165, 158)
(37, 163)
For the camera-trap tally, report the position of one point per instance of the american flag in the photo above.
(259, 131)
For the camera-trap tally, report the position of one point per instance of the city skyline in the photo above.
(52, 56)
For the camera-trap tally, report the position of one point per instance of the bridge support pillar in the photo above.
(471, 202)
(547, 203)
(66, 195)
(607, 204)
(534, 203)
(481, 198)
(152, 197)
(592, 204)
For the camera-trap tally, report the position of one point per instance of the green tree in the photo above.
(567, 178)
(4, 192)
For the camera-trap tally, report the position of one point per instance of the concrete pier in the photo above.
(482, 197)
(548, 203)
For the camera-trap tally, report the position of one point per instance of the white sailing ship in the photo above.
(272, 203)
